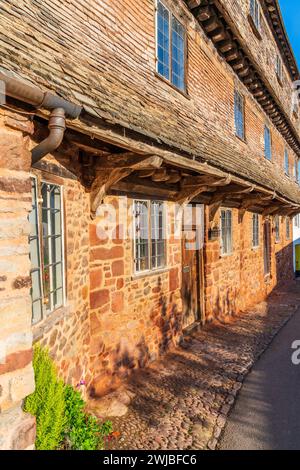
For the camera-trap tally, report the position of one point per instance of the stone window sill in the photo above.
(149, 273)
(255, 248)
(47, 323)
(182, 92)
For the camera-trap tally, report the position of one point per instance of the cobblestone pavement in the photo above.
(182, 401)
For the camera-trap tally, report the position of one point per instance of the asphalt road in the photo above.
(267, 412)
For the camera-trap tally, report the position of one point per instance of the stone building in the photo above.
(157, 111)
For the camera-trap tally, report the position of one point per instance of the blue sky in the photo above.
(291, 14)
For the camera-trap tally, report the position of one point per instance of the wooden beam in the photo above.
(129, 160)
(221, 195)
(144, 188)
(186, 195)
(107, 177)
(213, 209)
(102, 183)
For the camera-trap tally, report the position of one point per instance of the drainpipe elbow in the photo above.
(57, 126)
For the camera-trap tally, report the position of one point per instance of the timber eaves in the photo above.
(218, 27)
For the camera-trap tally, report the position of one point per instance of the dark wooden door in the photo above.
(190, 278)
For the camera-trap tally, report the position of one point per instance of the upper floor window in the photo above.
(267, 139)
(46, 250)
(277, 229)
(226, 231)
(298, 171)
(171, 55)
(286, 162)
(149, 235)
(297, 221)
(279, 69)
(255, 13)
(255, 230)
(239, 115)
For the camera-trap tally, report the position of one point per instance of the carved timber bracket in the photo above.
(112, 170)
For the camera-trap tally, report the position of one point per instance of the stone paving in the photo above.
(182, 401)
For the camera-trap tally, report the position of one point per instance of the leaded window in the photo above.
(255, 230)
(46, 250)
(286, 162)
(149, 235)
(170, 47)
(239, 115)
(279, 67)
(226, 231)
(268, 148)
(255, 13)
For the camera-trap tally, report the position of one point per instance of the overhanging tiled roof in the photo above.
(40, 43)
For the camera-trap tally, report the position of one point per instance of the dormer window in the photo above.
(255, 13)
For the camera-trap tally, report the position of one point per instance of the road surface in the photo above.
(267, 412)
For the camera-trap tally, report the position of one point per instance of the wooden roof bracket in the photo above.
(107, 177)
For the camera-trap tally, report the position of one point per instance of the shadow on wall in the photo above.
(167, 319)
(166, 327)
(228, 302)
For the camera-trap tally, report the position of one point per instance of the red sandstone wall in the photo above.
(237, 281)
(17, 430)
(133, 318)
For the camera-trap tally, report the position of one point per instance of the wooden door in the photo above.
(190, 278)
(267, 248)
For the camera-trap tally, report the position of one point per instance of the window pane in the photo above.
(268, 152)
(157, 235)
(239, 114)
(163, 41)
(37, 311)
(178, 52)
(36, 287)
(141, 236)
(286, 162)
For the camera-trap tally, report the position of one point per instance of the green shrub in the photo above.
(60, 411)
(83, 431)
(47, 403)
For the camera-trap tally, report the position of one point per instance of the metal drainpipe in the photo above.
(57, 126)
(60, 108)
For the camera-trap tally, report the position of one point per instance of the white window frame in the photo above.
(38, 183)
(255, 225)
(224, 250)
(171, 17)
(150, 269)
